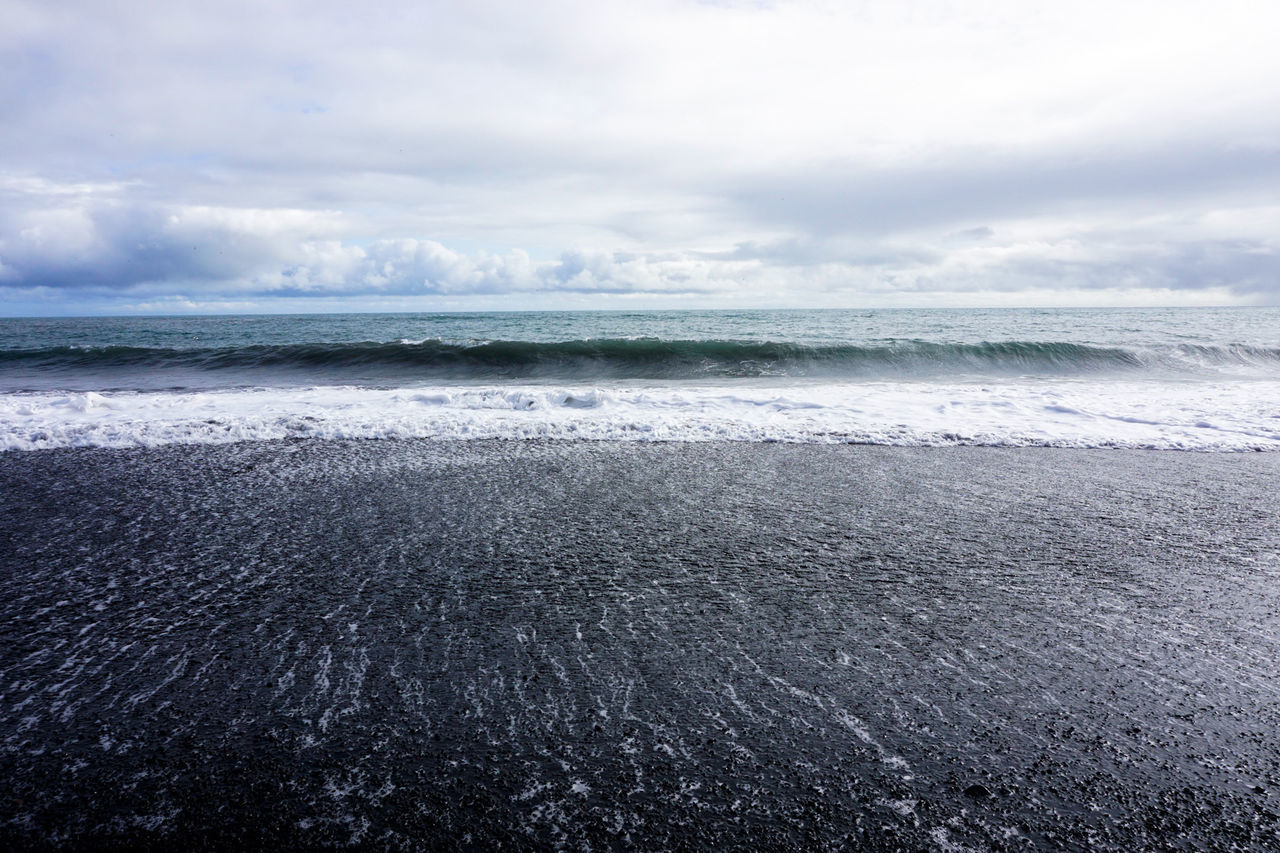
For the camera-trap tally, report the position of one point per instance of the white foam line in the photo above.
(1201, 416)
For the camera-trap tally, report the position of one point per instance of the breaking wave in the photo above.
(1204, 416)
(643, 358)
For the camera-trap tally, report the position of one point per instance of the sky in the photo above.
(319, 156)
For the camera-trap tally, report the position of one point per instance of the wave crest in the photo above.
(647, 358)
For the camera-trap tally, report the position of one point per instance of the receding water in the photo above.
(422, 645)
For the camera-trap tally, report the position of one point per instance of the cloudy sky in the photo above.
(317, 156)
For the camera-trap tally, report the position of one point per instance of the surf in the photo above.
(637, 358)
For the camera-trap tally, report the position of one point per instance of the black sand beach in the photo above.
(407, 645)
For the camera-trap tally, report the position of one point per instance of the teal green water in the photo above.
(405, 349)
(1096, 327)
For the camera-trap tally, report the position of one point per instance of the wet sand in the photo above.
(402, 645)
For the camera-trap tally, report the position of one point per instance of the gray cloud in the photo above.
(106, 246)
(844, 198)
(1248, 268)
(119, 249)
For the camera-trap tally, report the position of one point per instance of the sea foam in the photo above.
(1202, 416)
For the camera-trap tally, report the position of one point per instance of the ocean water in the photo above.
(1188, 379)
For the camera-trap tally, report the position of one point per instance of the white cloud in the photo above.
(101, 245)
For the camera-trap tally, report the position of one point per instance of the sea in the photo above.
(927, 580)
(1170, 379)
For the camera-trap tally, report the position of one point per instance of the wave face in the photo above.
(621, 358)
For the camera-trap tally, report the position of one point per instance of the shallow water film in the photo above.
(407, 645)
